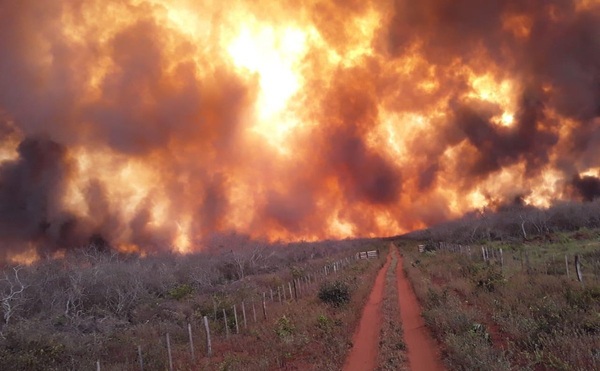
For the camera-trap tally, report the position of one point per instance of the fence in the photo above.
(496, 255)
(291, 290)
(372, 254)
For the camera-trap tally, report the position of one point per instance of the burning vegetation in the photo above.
(158, 124)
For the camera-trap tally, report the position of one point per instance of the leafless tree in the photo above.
(11, 292)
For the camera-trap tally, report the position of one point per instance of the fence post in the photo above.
(567, 264)
(169, 353)
(522, 260)
(279, 294)
(191, 342)
(295, 291)
(578, 268)
(264, 306)
(208, 342)
(225, 321)
(483, 253)
(237, 327)
(501, 259)
(139, 349)
(253, 311)
(244, 314)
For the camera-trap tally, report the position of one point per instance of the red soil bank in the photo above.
(363, 356)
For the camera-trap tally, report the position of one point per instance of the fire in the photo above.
(275, 56)
(502, 93)
(159, 124)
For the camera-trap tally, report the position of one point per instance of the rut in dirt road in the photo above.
(423, 352)
(363, 356)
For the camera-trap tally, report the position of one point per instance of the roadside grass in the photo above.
(526, 314)
(392, 349)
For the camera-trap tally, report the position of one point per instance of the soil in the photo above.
(363, 355)
(423, 352)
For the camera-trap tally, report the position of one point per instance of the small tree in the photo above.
(11, 293)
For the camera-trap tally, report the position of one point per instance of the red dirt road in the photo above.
(423, 353)
(363, 356)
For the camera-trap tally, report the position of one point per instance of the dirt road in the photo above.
(363, 355)
(423, 353)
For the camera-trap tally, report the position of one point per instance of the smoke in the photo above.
(156, 124)
(587, 187)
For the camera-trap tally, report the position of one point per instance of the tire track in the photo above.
(423, 352)
(363, 355)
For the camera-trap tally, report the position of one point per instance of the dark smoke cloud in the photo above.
(149, 105)
(498, 147)
(557, 67)
(587, 187)
(30, 195)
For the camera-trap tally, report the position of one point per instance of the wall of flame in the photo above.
(154, 124)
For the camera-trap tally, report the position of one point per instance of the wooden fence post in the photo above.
(264, 306)
(295, 291)
(522, 260)
(208, 342)
(191, 342)
(253, 311)
(169, 353)
(237, 327)
(501, 259)
(578, 268)
(244, 314)
(225, 321)
(139, 349)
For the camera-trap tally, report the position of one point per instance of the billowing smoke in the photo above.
(587, 187)
(155, 124)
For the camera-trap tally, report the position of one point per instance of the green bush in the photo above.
(336, 294)
(284, 327)
(181, 291)
(488, 277)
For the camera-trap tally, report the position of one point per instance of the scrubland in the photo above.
(95, 305)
